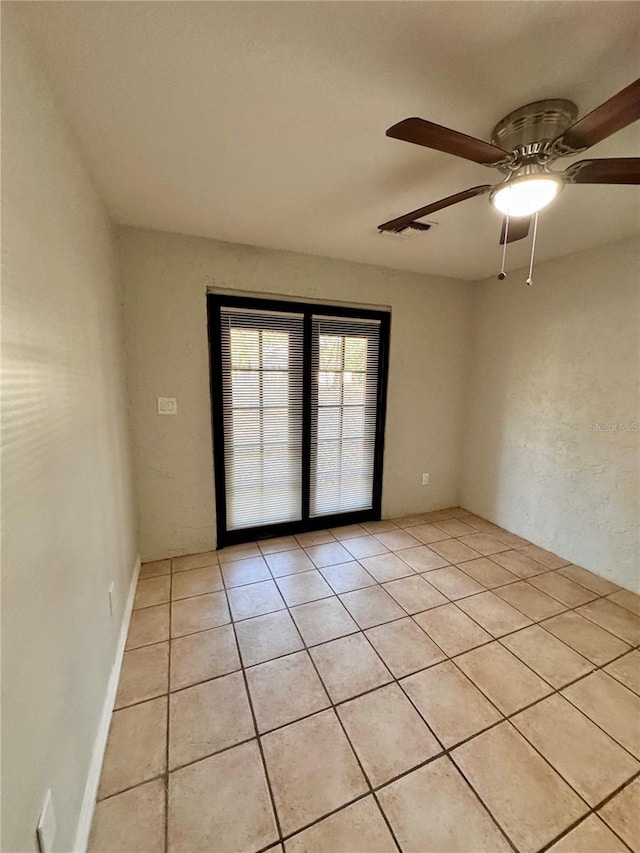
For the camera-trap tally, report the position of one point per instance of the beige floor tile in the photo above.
(278, 544)
(457, 512)
(576, 748)
(349, 666)
(144, 674)
(493, 614)
(136, 748)
(518, 563)
(314, 537)
(613, 618)
(454, 551)
(371, 606)
(266, 637)
(155, 569)
(312, 770)
(196, 582)
(627, 670)
(611, 706)
(364, 546)
(454, 821)
(203, 656)
(254, 599)
(404, 646)
(249, 570)
(292, 562)
(560, 587)
(147, 626)
(484, 543)
(397, 540)
(456, 527)
(423, 558)
(587, 638)
(379, 526)
(628, 599)
(194, 561)
(487, 573)
(225, 798)
(387, 733)
(482, 525)
(284, 690)
(590, 836)
(358, 827)
(415, 593)
(427, 533)
(303, 587)
(452, 629)
(453, 707)
(529, 800)
(324, 620)
(531, 601)
(408, 521)
(386, 567)
(349, 531)
(239, 552)
(510, 539)
(505, 680)
(552, 659)
(453, 583)
(198, 614)
(622, 813)
(594, 582)
(207, 718)
(347, 576)
(328, 555)
(436, 515)
(132, 822)
(545, 558)
(152, 591)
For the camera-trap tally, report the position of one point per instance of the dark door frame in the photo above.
(215, 302)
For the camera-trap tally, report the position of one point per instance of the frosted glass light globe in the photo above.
(522, 197)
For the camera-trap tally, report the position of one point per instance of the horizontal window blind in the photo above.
(262, 401)
(344, 394)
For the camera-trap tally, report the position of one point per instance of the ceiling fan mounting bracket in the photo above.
(528, 132)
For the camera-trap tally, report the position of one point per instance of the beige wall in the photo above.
(549, 361)
(165, 279)
(68, 523)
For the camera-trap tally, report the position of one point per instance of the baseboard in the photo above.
(95, 768)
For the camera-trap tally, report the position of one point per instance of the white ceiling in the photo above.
(264, 122)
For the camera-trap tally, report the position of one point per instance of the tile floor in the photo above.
(427, 684)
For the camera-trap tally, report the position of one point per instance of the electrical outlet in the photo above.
(111, 602)
(167, 406)
(425, 479)
(46, 829)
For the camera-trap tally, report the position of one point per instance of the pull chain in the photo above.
(533, 248)
(502, 274)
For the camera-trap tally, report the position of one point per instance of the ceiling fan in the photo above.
(523, 146)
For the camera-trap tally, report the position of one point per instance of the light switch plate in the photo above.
(46, 828)
(167, 406)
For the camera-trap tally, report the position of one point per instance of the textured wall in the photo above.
(68, 529)
(548, 362)
(165, 279)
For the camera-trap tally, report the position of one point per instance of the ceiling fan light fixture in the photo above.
(526, 195)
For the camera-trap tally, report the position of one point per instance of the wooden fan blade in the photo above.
(403, 222)
(619, 111)
(518, 228)
(422, 132)
(615, 170)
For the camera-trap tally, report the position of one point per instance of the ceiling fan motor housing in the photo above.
(529, 131)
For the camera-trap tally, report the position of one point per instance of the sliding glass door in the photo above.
(298, 398)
